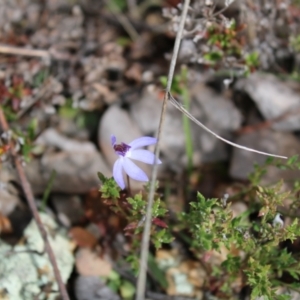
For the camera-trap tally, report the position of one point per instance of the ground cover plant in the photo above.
(149, 149)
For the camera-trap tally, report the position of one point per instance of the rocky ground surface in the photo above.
(71, 70)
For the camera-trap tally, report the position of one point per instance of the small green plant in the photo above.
(11, 96)
(223, 42)
(133, 209)
(254, 247)
(117, 284)
(252, 243)
(295, 43)
(252, 61)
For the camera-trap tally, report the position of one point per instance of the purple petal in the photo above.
(142, 142)
(144, 156)
(133, 171)
(113, 140)
(118, 173)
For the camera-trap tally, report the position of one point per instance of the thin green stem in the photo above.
(186, 122)
(128, 185)
(48, 190)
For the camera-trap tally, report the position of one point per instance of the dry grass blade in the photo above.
(192, 118)
(47, 55)
(141, 284)
(5, 49)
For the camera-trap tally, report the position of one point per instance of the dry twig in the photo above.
(5, 49)
(44, 54)
(180, 107)
(30, 199)
(141, 285)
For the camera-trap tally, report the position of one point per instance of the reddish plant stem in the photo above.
(30, 199)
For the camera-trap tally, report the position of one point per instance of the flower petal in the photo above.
(142, 155)
(133, 171)
(113, 140)
(118, 173)
(142, 142)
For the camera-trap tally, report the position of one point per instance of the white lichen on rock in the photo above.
(25, 268)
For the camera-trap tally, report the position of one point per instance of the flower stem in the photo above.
(128, 185)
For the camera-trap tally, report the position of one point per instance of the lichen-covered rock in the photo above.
(27, 268)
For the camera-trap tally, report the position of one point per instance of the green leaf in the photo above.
(109, 187)
(292, 160)
(213, 56)
(68, 111)
(157, 273)
(32, 129)
(127, 290)
(101, 177)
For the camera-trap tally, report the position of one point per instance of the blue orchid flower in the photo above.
(131, 151)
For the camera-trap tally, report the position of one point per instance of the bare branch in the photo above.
(43, 54)
(5, 49)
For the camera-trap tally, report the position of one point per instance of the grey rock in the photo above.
(268, 141)
(218, 114)
(146, 112)
(69, 208)
(173, 140)
(68, 127)
(33, 14)
(223, 118)
(187, 50)
(9, 197)
(51, 137)
(22, 278)
(219, 111)
(206, 148)
(117, 121)
(76, 172)
(274, 98)
(76, 165)
(93, 288)
(66, 4)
